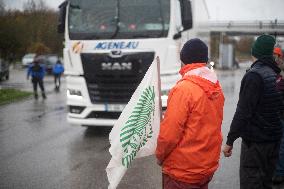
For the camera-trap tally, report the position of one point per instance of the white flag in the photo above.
(135, 133)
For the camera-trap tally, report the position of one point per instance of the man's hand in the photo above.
(227, 150)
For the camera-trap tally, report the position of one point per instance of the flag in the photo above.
(135, 133)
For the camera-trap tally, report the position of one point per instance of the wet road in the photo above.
(39, 149)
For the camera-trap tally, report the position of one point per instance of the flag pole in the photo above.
(160, 100)
(159, 86)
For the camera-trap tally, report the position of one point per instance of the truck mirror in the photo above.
(186, 14)
(62, 17)
(177, 35)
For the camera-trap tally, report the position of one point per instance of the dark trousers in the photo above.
(257, 166)
(170, 183)
(280, 164)
(37, 81)
(57, 80)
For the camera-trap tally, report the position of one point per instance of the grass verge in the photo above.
(12, 95)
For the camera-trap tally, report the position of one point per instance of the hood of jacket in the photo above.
(202, 76)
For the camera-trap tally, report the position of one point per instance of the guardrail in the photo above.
(254, 27)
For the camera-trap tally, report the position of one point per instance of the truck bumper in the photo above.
(91, 122)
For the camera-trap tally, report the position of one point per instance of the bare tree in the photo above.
(29, 6)
(2, 7)
(30, 30)
(32, 5)
(41, 5)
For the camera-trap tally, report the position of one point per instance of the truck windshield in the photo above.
(118, 19)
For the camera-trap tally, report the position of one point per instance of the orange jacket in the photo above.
(190, 137)
(278, 52)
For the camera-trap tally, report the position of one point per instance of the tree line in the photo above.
(242, 45)
(31, 30)
(34, 30)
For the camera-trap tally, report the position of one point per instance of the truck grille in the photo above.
(104, 115)
(114, 80)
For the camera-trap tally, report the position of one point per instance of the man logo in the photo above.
(116, 66)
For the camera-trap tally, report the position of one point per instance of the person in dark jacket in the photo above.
(278, 178)
(57, 70)
(257, 119)
(37, 72)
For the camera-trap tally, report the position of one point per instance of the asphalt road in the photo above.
(40, 150)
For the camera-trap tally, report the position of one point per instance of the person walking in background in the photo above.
(37, 72)
(278, 177)
(257, 118)
(57, 70)
(190, 138)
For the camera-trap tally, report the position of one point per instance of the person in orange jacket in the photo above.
(278, 56)
(190, 138)
(278, 177)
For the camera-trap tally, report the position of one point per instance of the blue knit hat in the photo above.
(194, 51)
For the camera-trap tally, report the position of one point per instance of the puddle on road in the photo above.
(41, 111)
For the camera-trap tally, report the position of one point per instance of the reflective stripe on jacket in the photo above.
(190, 137)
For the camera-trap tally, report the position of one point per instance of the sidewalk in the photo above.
(18, 80)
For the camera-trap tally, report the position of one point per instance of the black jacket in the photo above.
(257, 117)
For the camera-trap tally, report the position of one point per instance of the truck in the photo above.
(110, 44)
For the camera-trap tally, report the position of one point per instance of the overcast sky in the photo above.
(218, 9)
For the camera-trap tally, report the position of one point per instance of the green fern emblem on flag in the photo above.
(138, 128)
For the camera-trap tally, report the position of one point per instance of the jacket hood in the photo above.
(204, 78)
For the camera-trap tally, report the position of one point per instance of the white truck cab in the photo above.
(110, 44)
